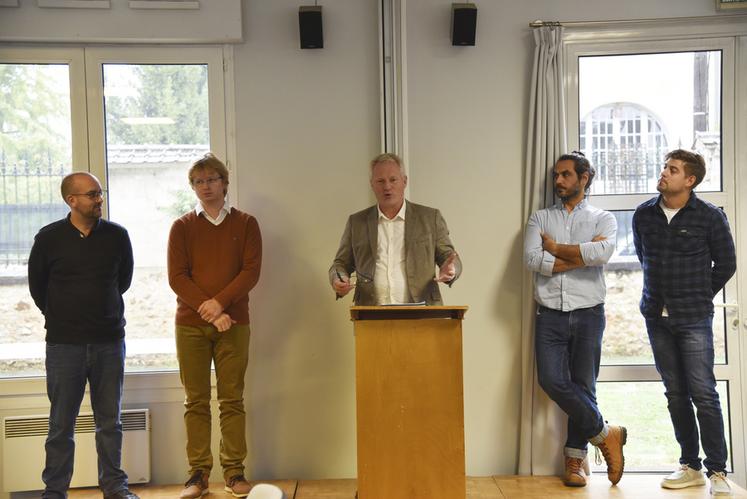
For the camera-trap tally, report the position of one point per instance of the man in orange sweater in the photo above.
(214, 258)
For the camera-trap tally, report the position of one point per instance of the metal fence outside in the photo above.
(29, 199)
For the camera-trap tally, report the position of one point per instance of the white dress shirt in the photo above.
(224, 211)
(390, 279)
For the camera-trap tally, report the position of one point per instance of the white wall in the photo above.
(307, 123)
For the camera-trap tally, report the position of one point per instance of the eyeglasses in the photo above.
(209, 181)
(91, 194)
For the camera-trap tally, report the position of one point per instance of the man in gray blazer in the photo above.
(395, 246)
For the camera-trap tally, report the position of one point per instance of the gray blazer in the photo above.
(427, 245)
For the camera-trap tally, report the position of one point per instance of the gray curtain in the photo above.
(543, 424)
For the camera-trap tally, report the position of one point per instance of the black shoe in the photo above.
(122, 494)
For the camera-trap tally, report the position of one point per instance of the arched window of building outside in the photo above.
(626, 143)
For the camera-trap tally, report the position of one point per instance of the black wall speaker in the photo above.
(310, 27)
(463, 23)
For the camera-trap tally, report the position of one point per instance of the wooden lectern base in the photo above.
(410, 408)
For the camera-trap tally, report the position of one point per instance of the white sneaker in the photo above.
(719, 486)
(683, 477)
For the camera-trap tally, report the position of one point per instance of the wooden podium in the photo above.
(410, 402)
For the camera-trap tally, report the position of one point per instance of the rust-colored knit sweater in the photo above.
(208, 261)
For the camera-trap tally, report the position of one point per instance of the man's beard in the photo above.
(95, 212)
(569, 193)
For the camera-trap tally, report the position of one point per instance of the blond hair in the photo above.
(209, 162)
(387, 157)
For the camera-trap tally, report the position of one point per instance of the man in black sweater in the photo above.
(79, 267)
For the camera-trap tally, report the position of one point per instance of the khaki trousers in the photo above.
(196, 348)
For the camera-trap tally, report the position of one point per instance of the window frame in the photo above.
(727, 47)
(650, 40)
(96, 57)
(89, 154)
(74, 59)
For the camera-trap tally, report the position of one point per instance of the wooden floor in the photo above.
(497, 487)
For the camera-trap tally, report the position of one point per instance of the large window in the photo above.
(635, 102)
(35, 154)
(143, 116)
(157, 123)
(634, 108)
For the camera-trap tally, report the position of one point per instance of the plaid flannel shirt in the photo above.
(686, 262)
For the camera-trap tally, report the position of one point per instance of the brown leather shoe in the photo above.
(238, 486)
(196, 486)
(612, 450)
(574, 475)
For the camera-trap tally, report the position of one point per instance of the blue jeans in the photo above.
(568, 346)
(68, 369)
(684, 359)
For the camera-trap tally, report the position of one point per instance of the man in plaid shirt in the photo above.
(687, 253)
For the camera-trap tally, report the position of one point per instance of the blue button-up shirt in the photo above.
(578, 288)
(686, 261)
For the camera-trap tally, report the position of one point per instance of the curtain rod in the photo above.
(539, 23)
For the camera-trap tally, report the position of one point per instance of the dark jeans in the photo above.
(684, 359)
(568, 346)
(68, 369)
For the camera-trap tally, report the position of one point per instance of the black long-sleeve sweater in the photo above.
(77, 282)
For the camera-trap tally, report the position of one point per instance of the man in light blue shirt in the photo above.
(566, 246)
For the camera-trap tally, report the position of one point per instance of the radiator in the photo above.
(23, 450)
